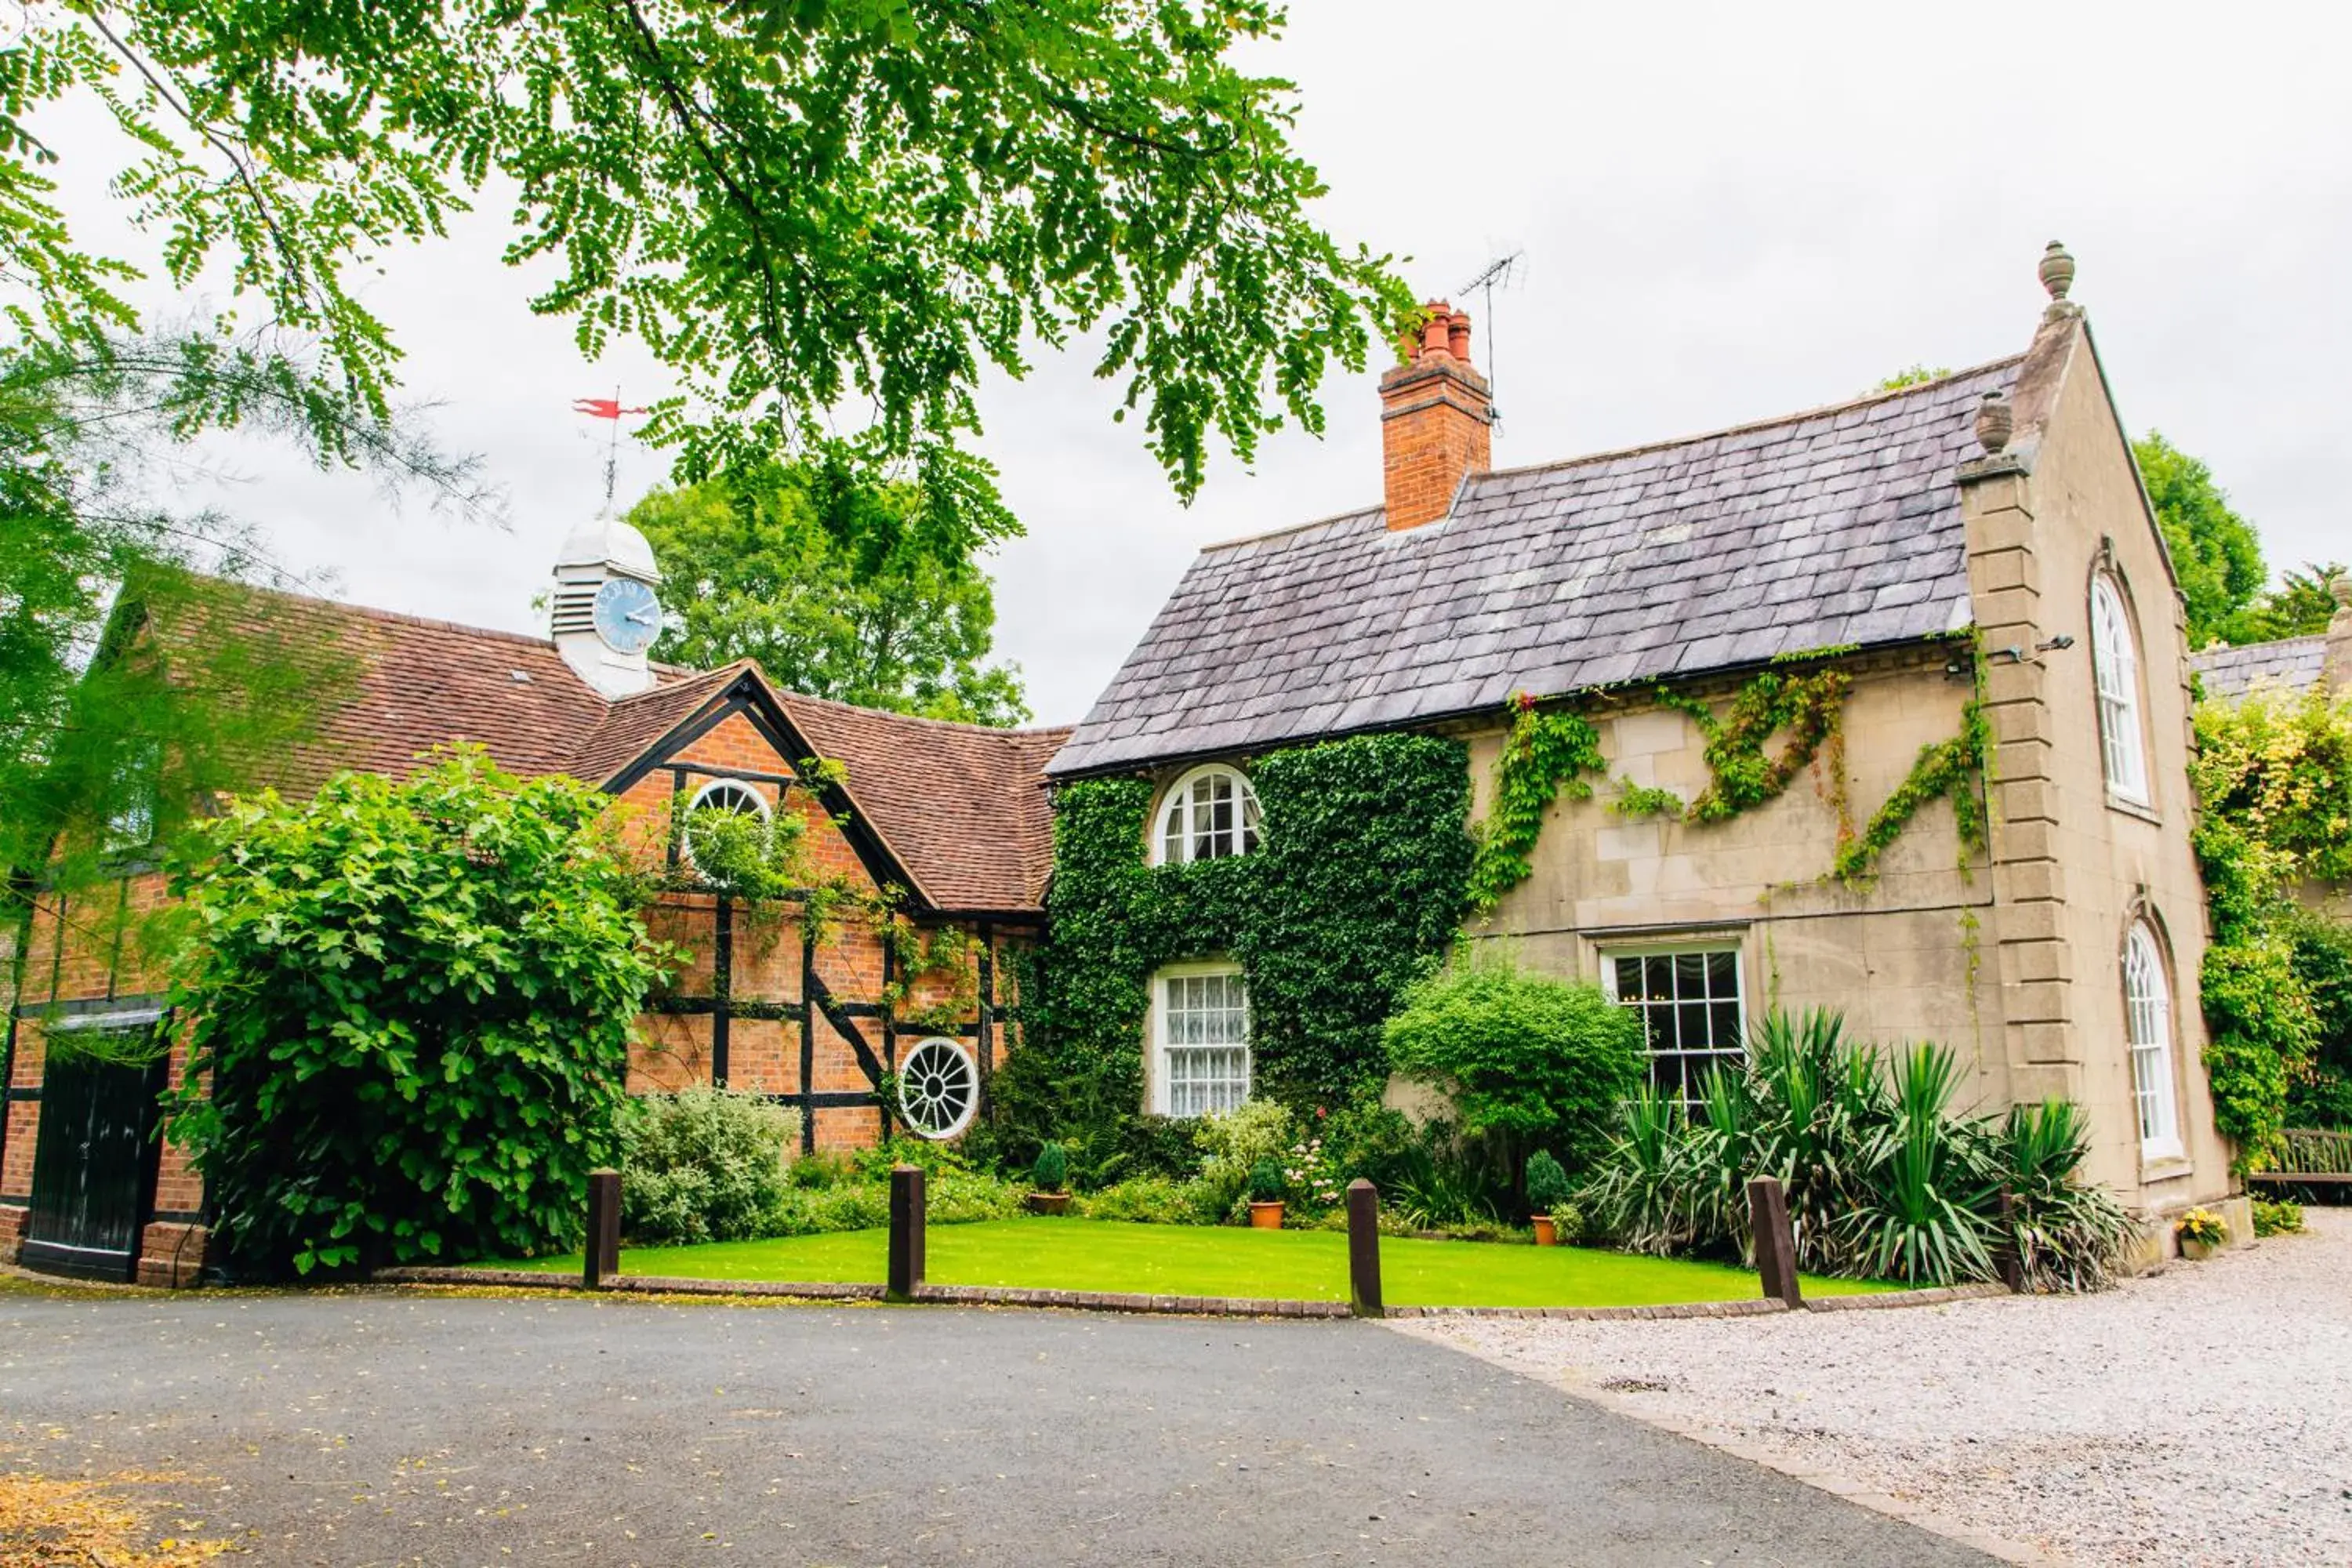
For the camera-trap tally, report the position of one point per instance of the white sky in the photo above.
(1728, 212)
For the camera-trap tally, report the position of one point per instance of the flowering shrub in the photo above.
(1313, 1176)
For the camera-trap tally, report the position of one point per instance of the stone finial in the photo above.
(1995, 421)
(2341, 587)
(2057, 273)
(2057, 270)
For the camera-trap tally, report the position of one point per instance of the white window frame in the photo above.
(1693, 946)
(1243, 835)
(2114, 676)
(2147, 1040)
(723, 784)
(1164, 1046)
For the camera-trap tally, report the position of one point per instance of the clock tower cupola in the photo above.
(607, 611)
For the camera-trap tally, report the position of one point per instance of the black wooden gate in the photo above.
(93, 1165)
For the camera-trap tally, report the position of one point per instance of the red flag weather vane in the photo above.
(608, 408)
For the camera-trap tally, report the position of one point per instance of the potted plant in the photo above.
(1548, 1196)
(1266, 1194)
(1049, 1177)
(2201, 1232)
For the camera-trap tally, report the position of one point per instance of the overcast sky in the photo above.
(1725, 213)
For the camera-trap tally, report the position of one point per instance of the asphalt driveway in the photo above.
(382, 1428)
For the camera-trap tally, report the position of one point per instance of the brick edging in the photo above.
(1174, 1306)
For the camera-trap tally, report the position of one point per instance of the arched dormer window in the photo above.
(2148, 1030)
(721, 794)
(1211, 813)
(2115, 668)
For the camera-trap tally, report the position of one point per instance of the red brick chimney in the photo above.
(1435, 417)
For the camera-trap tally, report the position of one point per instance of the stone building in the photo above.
(1977, 547)
(952, 816)
(2288, 664)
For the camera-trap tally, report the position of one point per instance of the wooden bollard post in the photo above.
(906, 1232)
(1364, 1248)
(1775, 1240)
(604, 1248)
(2006, 1259)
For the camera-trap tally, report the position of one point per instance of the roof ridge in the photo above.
(378, 613)
(1614, 453)
(893, 714)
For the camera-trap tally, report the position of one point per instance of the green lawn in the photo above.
(1220, 1260)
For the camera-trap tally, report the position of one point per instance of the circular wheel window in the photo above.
(939, 1089)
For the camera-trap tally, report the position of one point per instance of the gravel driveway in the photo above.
(2202, 1416)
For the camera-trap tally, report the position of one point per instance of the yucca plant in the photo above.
(1719, 1155)
(1640, 1195)
(2068, 1237)
(1922, 1214)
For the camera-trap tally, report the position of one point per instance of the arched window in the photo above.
(2147, 1025)
(1212, 813)
(2115, 668)
(722, 794)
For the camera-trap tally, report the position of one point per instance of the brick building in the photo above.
(1977, 546)
(953, 815)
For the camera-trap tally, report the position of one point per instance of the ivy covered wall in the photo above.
(1359, 884)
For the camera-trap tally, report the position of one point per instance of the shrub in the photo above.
(2320, 1094)
(2278, 1216)
(2067, 1235)
(1232, 1145)
(1884, 1177)
(1051, 1170)
(1154, 1200)
(1266, 1185)
(1549, 1191)
(706, 1164)
(1528, 1061)
(413, 1003)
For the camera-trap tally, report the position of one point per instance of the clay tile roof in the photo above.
(413, 684)
(1818, 529)
(2291, 663)
(962, 806)
(631, 725)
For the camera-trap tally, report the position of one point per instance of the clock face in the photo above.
(628, 616)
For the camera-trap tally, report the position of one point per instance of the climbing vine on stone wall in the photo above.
(1357, 886)
(1549, 751)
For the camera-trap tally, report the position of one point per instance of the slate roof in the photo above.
(1840, 526)
(2294, 663)
(961, 808)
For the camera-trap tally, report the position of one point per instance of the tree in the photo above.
(2300, 606)
(2215, 554)
(838, 586)
(412, 1006)
(132, 691)
(796, 207)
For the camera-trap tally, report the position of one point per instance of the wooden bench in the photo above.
(2311, 1157)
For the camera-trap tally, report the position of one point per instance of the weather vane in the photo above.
(608, 408)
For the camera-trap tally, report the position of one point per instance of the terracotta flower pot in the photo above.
(2196, 1251)
(1266, 1216)
(1048, 1203)
(1546, 1233)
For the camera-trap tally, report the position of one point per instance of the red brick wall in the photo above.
(82, 952)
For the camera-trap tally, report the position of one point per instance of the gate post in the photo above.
(1775, 1240)
(603, 1229)
(1364, 1248)
(906, 1232)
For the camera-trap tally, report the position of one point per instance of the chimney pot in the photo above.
(1457, 336)
(1437, 414)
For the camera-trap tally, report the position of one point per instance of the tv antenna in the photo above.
(1497, 274)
